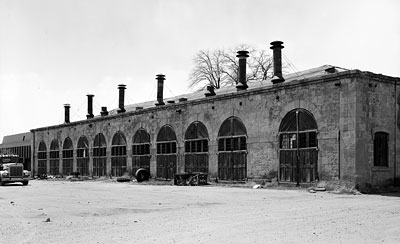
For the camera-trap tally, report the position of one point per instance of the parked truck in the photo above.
(12, 170)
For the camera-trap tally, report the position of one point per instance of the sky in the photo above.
(54, 52)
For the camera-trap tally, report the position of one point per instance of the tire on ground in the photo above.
(142, 175)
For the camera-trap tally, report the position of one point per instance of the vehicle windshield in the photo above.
(8, 159)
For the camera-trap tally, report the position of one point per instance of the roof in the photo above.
(310, 73)
(22, 139)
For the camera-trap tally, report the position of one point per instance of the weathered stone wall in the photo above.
(375, 111)
(345, 109)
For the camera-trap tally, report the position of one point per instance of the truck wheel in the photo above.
(25, 183)
(2, 183)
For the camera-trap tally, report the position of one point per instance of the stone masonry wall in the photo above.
(261, 111)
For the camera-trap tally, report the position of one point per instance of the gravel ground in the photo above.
(110, 212)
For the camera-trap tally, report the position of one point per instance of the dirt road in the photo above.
(108, 212)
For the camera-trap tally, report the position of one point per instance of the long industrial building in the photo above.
(323, 124)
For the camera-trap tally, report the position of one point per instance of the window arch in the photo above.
(42, 150)
(99, 155)
(42, 158)
(118, 154)
(196, 138)
(166, 140)
(68, 154)
(298, 123)
(232, 135)
(141, 142)
(82, 154)
(141, 150)
(232, 150)
(54, 157)
(381, 149)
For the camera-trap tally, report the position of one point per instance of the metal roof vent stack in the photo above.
(90, 106)
(276, 47)
(210, 91)
(160, 89)
(242, 55)
(103, 111)
(121, 89)
(66, 113)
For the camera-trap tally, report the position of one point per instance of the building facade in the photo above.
(324, 124)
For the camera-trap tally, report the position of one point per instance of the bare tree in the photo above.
(219, 68)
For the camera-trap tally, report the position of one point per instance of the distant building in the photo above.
(324, 124)
(18, 144)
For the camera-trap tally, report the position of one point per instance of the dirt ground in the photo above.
(111, 212)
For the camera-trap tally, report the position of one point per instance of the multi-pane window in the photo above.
(118, 155)
(381, 149)
(82, 153)
(141, 149)
(54, 149)
(99, 155)
(166, 147)
(42, 158)
(196, 146)
(42, 151)
(306, 140)
(68, 151)
(166, 152)
(226, 144)
(68, 154)
(54, 158)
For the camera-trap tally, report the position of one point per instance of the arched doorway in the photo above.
(42, 159)
(54, 158)
(99, 155)
(232, 150)
(141, 150)
(82, 154)
(68, 155)
(196, 148)
(118, 154)
(298, 147)
(166, 152)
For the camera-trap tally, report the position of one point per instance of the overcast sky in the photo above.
(54, 52)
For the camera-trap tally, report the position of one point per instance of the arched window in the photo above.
(118, 154)
(82, 153)
(196, 148)
(42, 158)
(298, 152)
(166, 152)
(141, 150)
(68, 154)
(99, 155)
(232, 146)
(381, 149)
(54, 158)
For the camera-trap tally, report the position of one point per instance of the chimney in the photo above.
(242, 55)
(276, 47)
(210, 91)
(121, 98)
(103, 111)
(90, 106)
(66, 109)
(160, 87)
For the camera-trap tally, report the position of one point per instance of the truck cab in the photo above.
(12, 170)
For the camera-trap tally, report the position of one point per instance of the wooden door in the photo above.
(166, 166)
